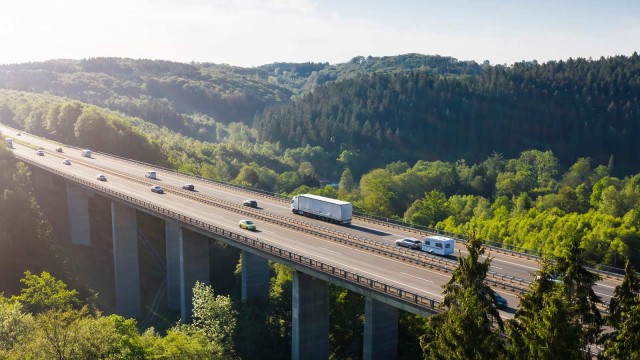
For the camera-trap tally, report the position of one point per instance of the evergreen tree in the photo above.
(466, 328)
(624, 317)
(545, 325)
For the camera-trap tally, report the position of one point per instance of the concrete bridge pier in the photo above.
(380, 330)
(173, 232)
(78, 215)
(255, 278)
(193, 250)
(125, 259)
(310, 323)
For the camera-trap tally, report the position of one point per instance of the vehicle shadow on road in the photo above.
(369, 230)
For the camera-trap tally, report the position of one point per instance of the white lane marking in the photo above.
(497, 267)
(604, 295)
(607, 286)
(374, 275)
(333, 251)
(516, 264)
(417, 277)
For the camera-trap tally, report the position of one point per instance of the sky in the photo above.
(256, 32)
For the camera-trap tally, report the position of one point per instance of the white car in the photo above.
(40, 152)
(157, 189)
(66, 162)
(101, 177)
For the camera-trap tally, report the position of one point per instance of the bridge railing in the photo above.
(331, 270)
(603, 270)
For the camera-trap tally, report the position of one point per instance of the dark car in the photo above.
(410, 243)
(250, 203)
(59, 149)
(501, 303)
(189, 187)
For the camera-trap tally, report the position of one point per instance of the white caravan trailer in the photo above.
(437, 244)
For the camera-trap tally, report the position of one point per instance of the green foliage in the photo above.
(624, 317)
(576, 108)
(215, 317)
(428, 211)
(464, 330)
(375, 188)
(15, 325)
(45, 293)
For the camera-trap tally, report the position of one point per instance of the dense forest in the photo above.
(535, 156)
(195, 98)
(574, 108)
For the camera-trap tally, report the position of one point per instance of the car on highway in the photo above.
(189, 187)
(501, 303)
(18, 134)
(247, 224)
(40, 152)
(59, 149)
(157, 189)
(251, 203)
(101, 177)
(410, 243)
(66, 162)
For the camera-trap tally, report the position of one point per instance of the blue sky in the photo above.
(256, 32)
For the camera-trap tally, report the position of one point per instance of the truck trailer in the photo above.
(327, 209)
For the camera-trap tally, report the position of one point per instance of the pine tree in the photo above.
(466, 328)
(624, 317)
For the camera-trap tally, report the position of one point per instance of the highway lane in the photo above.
(393, 272)
(503, 264)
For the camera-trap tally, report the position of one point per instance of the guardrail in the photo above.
(432, 262)
(337, 272)
(603, 270)
(516, 251)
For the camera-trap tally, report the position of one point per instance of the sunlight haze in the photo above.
(252, 32)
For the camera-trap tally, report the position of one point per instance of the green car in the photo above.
(247, 224)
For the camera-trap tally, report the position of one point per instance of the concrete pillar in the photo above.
(310, 323)
(380, 330)
(78, 215)
(125, 259)
(194, 266)
(172, 241)
(255, 277)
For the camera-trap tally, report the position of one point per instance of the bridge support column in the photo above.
(172, 241)
(78, 215)
(194, 266)
(125, 259)
(380, 330)
(310, 323)
(255, 277)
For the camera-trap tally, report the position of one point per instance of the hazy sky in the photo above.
(256, 32)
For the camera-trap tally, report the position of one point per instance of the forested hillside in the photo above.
(195, 99)
(539, 156)
(574, 108)
(189, 98)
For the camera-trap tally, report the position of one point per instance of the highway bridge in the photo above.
(361, 257)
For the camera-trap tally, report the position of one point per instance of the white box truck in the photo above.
(327, 209)
(9, 142)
